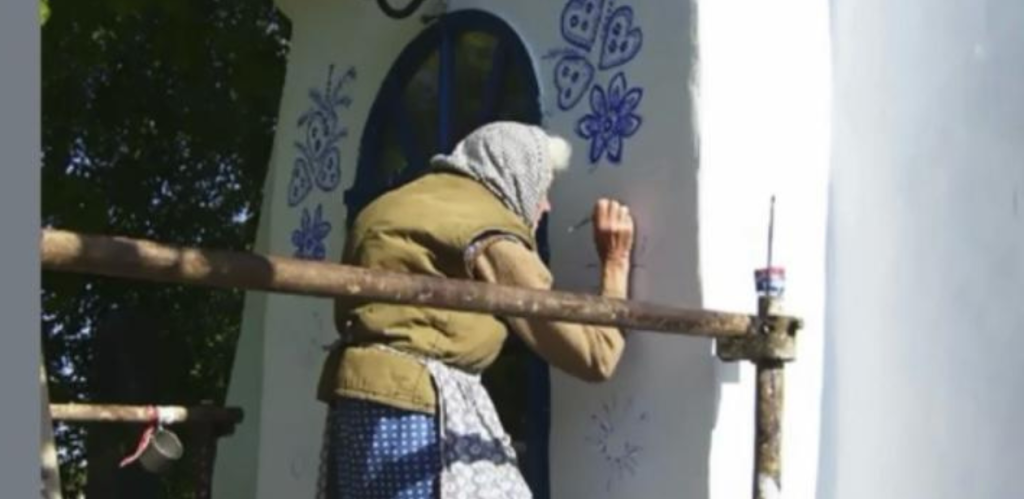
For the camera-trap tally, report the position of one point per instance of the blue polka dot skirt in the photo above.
(375, 451)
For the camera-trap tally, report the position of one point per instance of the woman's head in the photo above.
(515, 161)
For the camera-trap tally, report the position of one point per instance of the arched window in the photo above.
(467, 69)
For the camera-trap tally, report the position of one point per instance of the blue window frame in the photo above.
(466, 69)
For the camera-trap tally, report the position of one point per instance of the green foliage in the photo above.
(158, 117)
(44, 12)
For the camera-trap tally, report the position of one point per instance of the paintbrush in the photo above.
(581, 224)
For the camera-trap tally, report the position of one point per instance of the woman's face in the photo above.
(545, 206)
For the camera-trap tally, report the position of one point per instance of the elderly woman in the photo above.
(408, 416)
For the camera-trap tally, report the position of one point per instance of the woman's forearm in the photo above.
(587, 352)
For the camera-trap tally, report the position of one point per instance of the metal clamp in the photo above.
(773, 338)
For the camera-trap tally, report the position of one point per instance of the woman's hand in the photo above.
(613, 232)
(613, 236)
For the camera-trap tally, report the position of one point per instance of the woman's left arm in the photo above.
(587, 352)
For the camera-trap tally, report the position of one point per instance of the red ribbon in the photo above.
(147, 435)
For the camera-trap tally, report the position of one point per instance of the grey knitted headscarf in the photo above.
(513, 160)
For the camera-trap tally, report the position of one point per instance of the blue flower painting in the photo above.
(308, 239)
(318, 163)
(603, 37)
(612, 119)
(611, 436)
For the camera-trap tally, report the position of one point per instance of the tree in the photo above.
(158, 117)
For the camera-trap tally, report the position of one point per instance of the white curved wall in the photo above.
(926, 313)
(762, 129)
(764, 107)
(275, 452)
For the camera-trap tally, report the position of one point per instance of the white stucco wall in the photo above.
(925, 313)
(660, 405)
(762, 129)
(275, 453)
(764, 116)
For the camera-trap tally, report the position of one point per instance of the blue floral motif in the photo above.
(611, 436)
(622, 41)
(581, 22)
(319, 161)
(603, 37)
(612, 119)
(573, 76)
(309, 238)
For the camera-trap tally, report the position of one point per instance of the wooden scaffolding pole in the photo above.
(114, 413)
(51, 488)
(767, 339)
(138, 259)
(769, 398)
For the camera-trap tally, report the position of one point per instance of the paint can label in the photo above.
(770, 281)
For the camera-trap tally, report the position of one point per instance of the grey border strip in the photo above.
(19, 267)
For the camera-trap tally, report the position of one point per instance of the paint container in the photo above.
(770, 282)
(158, 447)
(162, 450)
